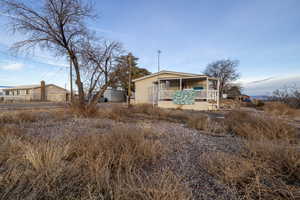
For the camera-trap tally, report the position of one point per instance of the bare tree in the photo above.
(56, 25)
(233, 90)
(225, 70)
(100, 60)
(288, 95)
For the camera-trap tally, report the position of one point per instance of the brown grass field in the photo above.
(141, 152)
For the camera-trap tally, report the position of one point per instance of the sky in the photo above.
(262, 34)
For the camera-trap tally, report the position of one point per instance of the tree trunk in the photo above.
(94, 101)
(78, 82)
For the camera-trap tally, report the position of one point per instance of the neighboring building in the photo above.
(42, 92)
(243, 98)
(1, 90)
(114, 95)
(178, 90)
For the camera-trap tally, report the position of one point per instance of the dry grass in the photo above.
(199, 122)
(265, 170)
(269, 165)
(44, 155)
(281, 109)
(17, 117)
(258, 126)
(119, 164)
(127, 161)
(194, 120)
(86, 111)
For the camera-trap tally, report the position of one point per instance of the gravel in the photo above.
(184, 158)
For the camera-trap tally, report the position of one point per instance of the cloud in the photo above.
(12, 67)
(267, 86)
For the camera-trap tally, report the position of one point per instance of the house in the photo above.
(168, 89)
(2, 92)
(42, 92)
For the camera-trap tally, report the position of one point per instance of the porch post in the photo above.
(153, 91)
(207, 88)
(158, 91)
(180, 87)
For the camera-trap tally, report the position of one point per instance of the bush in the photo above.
(199, 122)
(116, 165)
(258, 126)
(18, 117)
(85, 111)
(280, 109)
(264, 170)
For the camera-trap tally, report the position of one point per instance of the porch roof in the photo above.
(183, 74)
(192, 77)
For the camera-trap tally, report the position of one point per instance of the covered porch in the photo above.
(204, 89)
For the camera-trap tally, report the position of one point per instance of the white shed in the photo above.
(114, 95)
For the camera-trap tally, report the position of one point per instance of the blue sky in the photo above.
(264, 35)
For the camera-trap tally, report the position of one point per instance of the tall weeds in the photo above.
(120, 164)
(268, 167)
(258, 126)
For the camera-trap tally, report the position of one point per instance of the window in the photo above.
(27, 91)
(18, 92)
(7, 92)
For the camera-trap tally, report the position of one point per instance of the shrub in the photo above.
(85, 111)
(119, 164)
(10, 138)
(277, 108)
(265, 170)
(18, 117)
(257, 126)
(280, 157)
(45, 155)
(199, 122)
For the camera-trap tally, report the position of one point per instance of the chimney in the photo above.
(43, 91)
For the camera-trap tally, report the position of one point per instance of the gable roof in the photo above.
(168, 72)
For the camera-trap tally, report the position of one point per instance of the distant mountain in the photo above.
(260, 97)
(266, 87)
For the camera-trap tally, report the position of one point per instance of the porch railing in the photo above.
(200, 94)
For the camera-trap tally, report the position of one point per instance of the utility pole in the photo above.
(158, 71)
(71, 81)
(129, 57)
